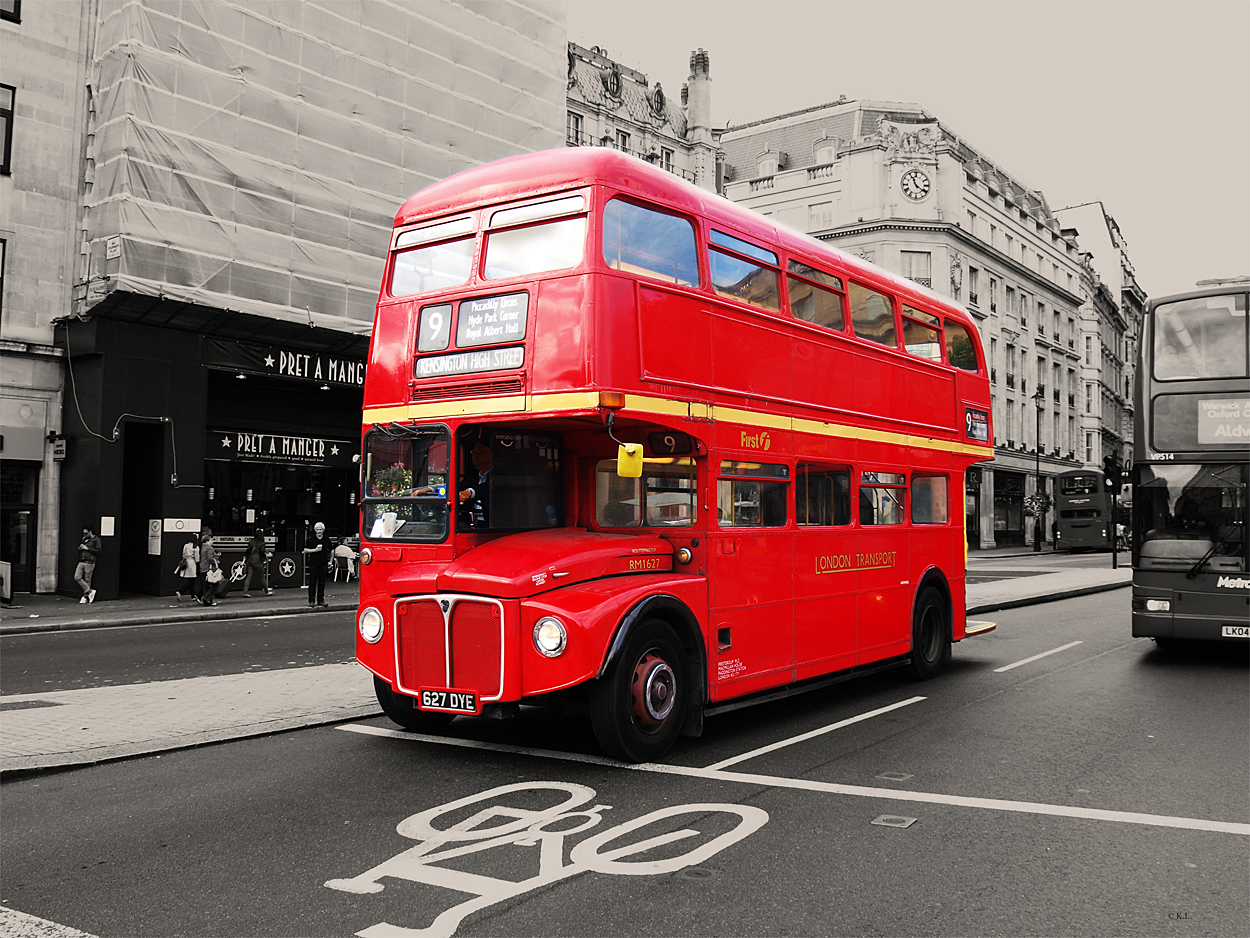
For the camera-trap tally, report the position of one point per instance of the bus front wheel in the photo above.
(638, 707)
(402, 709)
(930, 635)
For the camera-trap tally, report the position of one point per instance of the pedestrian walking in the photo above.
(210, 574)
(257, 556)
(89, 548)
(186, 569)
(316, 562)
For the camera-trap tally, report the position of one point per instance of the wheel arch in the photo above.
(685, 624)
(934, 577)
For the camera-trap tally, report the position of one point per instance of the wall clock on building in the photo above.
(915, 184)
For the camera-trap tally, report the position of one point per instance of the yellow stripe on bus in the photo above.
(659, 406)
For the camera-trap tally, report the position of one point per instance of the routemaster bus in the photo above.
(1191, 579)
(1083, 509)
(631, 448)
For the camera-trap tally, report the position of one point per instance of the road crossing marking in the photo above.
(801, 784)
(813, 734)
(1035, 657)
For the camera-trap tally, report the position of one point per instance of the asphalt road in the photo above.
(1099, 789)
(43, 661)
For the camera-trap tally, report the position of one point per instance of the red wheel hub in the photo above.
(653, 690)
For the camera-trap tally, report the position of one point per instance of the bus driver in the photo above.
(475, 486)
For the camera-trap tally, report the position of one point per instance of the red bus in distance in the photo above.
(629, 445)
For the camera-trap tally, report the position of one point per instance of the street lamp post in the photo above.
(1038, 399)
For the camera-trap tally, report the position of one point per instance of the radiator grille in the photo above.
(475, 647)
(422, 645)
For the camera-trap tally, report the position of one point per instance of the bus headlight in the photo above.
(366, 556)
(684, 555)
(371, 626)
(1158, 605)
(550, 637)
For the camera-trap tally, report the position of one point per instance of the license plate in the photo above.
(1235, 631)
(447, 700)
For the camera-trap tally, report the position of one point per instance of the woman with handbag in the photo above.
(186, 570)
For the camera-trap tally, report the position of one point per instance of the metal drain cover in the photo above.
(893, 820)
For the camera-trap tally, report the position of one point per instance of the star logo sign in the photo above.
(268, 361)
(225, 441)
(334, 450)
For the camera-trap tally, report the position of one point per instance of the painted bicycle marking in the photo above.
(500, 824)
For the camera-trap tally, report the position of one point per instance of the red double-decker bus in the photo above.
(630, 446)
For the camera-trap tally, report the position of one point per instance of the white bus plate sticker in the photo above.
(1235, 631)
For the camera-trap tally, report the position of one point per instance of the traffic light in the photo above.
(1112, 472)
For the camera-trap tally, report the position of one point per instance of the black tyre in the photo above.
(403, 710)
(930, 634)
(638, 707)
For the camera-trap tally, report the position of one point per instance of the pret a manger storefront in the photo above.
(232, 434)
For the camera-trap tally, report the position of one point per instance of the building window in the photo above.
(666, 159)
(1089, 448)
(993, 236)
(6, 127)
(573, 129)
(3, 247)
(768, 166)
(972, 285)
(11, 10)
(824, 155)
(819, 216)
(972, 224)
(993, 294)
(1011, 244)
(622, 141)
(1089, 350)
(917, 266)
(1089, 398)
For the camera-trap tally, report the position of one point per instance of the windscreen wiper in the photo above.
(1219, 542)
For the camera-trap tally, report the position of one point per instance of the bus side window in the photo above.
(881, 497)
(929, 500)
(752, 503)
(741, 279)
(960, 351)
(822, 496)
(650, 243)
(872, 315)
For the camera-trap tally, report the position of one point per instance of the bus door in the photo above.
(884, 607)
(826, 583)
(752, 582)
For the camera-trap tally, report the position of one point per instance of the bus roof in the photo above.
(554, 170)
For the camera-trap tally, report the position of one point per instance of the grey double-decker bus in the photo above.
(1191, 578)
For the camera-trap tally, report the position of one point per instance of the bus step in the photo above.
(978, 627)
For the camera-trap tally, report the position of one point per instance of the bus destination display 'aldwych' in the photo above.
(633, 449)
(1191, 579)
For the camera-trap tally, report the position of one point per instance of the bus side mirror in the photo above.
(629, 460)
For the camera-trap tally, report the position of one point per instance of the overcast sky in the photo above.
(1144, 106)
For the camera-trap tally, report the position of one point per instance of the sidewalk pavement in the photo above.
(63, 729)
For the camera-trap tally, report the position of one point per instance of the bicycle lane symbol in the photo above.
(500, 824)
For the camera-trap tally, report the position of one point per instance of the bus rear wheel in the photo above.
(930, 635)
(638, 707)
(402, 709)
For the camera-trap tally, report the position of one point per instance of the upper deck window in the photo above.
(960, 350)
(555, 245)
(872, 315)
(739, 278)
(812, 302)
(922, 334)
(648, 242)
(436, 267)
(1201, 338)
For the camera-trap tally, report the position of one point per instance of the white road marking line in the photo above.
(1035, 657)
(858, 791)
(812, 735)
(17, 924)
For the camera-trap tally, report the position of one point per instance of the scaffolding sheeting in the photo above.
(252, 155)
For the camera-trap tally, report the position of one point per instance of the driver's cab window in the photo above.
(509, 480)
(405, 484)
(664, 496)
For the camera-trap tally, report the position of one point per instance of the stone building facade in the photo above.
(195, 208)
(889, 182)
(610, 104)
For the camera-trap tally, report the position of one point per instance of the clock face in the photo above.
(915, 184)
